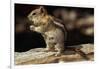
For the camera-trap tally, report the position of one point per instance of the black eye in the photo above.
(51, 38)
(34, 14)
(43, 24)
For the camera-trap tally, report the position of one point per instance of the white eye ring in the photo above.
(34, 14)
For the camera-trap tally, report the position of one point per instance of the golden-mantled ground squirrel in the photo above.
(51, 30)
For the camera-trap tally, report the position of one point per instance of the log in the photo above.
(83, 52)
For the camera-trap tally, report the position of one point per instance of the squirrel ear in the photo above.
(42, 9)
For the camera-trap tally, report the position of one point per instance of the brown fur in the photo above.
(51, 30)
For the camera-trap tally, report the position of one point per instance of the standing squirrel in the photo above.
(51, 29)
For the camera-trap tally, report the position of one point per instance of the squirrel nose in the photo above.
(29, 17)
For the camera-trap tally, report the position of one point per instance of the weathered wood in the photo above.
(38, 56)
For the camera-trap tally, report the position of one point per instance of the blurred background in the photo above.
(79, 23)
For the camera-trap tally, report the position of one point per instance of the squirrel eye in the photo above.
(34, 14)
(43, 24)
